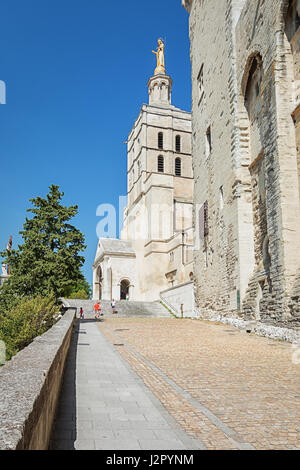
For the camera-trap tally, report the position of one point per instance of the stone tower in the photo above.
(158, 217)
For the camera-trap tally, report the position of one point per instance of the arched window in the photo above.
(292, 20)
(160, 140)
(254, 98)
(253, 88)
(178, 143)
(177, 166)
(160, 164)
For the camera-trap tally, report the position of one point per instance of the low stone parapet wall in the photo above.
(261, 329)
(29, 389)
(183, 294)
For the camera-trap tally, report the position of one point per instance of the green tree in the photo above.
(80, 294)
(49, 260)
(26, 320)
(82, 290)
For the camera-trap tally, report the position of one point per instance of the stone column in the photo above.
(95, 285)
(106, 280)
(130, 292)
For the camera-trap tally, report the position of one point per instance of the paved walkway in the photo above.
(162, 383)
(231, 390)
(104, 405)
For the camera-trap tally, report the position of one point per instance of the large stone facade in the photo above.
(245, 114)
(155, 250)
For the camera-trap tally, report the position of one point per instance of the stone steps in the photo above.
(124, 308)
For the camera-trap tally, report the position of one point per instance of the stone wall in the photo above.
(263, 43)
(29, 389)
(182, 294)
(224, 255)
(245, 119)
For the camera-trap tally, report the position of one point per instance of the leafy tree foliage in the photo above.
(81, 294)
(82, 290)
(26, 320)
(49, 260)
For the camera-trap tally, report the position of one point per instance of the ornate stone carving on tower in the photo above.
(160, 85)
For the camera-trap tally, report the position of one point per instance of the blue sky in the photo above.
(76, 73)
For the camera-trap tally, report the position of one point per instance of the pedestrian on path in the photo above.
(113, 306)
(97, 308)
(81, 313)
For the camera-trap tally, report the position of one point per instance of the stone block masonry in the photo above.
(29, 389)
(245, 127)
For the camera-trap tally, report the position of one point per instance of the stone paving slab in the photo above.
(177, 383)
(105, 405)
(227, 388)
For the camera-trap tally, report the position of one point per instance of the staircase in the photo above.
(124, 308)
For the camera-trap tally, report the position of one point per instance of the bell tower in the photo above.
(154, 250)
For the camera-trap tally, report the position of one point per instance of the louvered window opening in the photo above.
(160, 140)
(178, 167)
(160, 164)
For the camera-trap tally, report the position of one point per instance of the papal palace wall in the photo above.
(245, 132)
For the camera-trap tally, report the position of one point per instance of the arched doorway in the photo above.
(124, 289)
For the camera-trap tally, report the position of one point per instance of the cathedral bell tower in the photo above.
(154, 250)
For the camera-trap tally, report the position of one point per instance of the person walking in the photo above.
(113, 306)
(81, 313)
(97, 308)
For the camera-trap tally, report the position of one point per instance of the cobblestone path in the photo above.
(229, 389)
(104, 404)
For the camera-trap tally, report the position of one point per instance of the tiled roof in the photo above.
(114, 245)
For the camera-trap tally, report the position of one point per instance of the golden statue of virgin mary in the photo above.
(160, 58)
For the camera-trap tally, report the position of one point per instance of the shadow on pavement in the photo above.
(64, 429)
